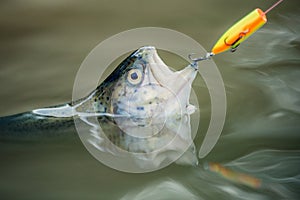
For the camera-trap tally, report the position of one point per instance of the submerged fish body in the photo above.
(141, 107)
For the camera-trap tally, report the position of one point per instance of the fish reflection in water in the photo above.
(278, 173)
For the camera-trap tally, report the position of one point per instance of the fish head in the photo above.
(149, 95)
(146, 108)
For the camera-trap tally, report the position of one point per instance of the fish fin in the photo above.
(189, 157)
(56, 111)
(191, 109)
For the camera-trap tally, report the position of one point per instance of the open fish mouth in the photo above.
(178, 83)
(162, 73)
(159, 101)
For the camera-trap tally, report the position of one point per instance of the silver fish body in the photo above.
(146, 109)
(141, 107)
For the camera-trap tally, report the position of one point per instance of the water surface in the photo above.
(43, 44)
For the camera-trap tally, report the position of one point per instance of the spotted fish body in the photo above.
(141, 106)
(30, 126)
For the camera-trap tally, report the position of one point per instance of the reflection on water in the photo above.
(164, 189)
(277, 169)
(261, 136)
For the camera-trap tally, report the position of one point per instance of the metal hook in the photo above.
(236, 43)
(196, 60)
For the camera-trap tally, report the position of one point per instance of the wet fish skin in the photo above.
(36, 125)
(30, 126)
(159, 93)
(142, 107)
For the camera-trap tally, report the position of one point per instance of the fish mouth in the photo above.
(157, 66)
(174, 80)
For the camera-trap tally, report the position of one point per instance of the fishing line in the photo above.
(273, 6)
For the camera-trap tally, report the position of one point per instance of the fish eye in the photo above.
(134, 76)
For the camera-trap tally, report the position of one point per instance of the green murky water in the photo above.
(43, 44)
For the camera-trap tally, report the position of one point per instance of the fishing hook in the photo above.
(196, 60)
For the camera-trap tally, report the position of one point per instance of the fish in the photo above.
(141, 107)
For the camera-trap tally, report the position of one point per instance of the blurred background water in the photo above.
(43, 44)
